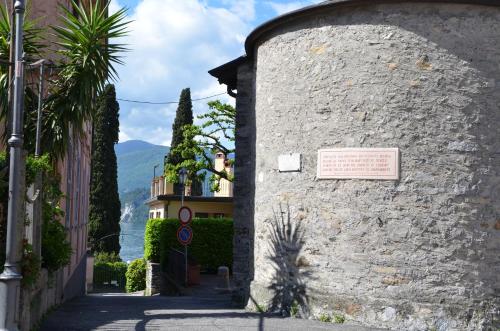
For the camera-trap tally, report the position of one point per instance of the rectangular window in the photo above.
(218, 215)
(201, 215)
(151, 215)
(158, 214)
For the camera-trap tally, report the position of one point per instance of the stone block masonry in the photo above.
(419, 253)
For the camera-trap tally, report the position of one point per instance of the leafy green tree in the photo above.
(215, 134)
(104, 213)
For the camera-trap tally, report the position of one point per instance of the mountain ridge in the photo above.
(135, 160)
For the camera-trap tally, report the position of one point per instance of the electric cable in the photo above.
(168, 102)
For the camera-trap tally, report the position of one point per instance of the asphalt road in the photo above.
(126, 312)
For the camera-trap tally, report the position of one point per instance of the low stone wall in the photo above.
(36, 301)
(153, 279)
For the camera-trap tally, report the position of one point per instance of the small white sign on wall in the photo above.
(290, 162)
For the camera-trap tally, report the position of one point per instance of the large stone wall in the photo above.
(420, 253)
(244, 185)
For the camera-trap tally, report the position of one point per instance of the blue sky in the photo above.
(173, 43)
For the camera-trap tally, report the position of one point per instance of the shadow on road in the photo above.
(122, 312)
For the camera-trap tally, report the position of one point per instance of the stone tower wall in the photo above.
(415, 254)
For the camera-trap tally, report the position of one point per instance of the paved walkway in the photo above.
(201, 311)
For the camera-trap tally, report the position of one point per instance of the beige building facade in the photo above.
(164, 203)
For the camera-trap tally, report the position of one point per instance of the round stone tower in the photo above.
(418, 253)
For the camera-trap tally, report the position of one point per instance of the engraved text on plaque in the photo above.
(358, 163)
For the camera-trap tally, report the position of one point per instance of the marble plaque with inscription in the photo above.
(358, 163)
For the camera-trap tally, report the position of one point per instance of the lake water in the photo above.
(132, 240)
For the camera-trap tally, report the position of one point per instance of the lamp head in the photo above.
(183, 175)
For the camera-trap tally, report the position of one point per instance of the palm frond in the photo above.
(85, 39)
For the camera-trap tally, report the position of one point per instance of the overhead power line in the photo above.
(168, 102)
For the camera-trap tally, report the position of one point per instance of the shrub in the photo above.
(30, 265)
(339, 319)
(136, 276)
(106, 274)
(105, 257)
(152, 235)
(56, 250)
(212, 244)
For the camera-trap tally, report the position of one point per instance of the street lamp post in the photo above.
(154, 170)
(182, 179)
(11, 277)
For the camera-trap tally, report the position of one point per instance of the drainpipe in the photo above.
(231, 93)
(10, 279)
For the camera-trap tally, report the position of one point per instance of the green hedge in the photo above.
(212, 244)
(136, 276)
(105, 273)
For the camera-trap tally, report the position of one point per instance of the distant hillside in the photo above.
(136, 160)
(133, 207)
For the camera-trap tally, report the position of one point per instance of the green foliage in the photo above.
(260, 308)
(56, 250)
(136, 276)
(212, 244)
(294, 309)
(339, 319)
(214, 135)
(183, 117)
(106, 273)
(87, 62)
(105, 207)
(152, 235)
(105, 257)
(30, 266)
(335, 318)
(36, 165)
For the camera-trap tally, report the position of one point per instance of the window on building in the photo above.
(201, 215)
(151, 215)
(158, 214)
(218, 215)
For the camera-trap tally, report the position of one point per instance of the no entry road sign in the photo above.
(185, 215)
(185, 235)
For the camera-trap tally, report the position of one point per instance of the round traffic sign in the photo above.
(185, 215)
(185, 235)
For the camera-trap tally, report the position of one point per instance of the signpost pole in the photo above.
(184, 222)
(185, 246)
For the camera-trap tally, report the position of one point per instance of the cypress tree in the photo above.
(183, 116)
(104, 214)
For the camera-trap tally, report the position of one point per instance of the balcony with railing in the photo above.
(160, 186)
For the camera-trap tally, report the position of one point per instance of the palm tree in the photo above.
(85, 41)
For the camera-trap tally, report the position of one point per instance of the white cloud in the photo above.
(114, 6)
(282, 8)
(172, 46)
